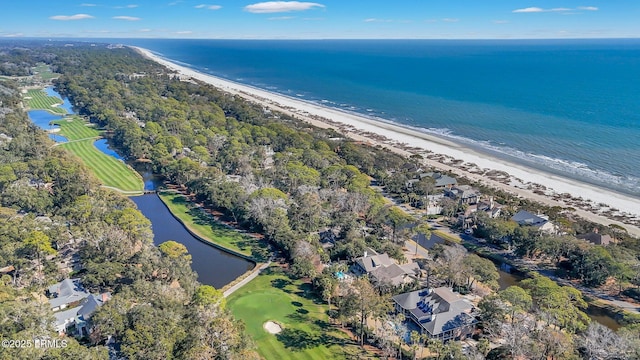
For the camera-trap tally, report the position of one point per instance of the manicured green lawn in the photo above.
(45, 72)
(111, 171)
(40, 100)
(74, 128)
(306, 333)
(206, 227)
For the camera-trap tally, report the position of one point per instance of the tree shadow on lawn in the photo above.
(243, 242)
(307, 292)
(281, 284)
(298, 317)
(298, 340)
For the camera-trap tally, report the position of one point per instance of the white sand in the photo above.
(272, 328)
(399, 138)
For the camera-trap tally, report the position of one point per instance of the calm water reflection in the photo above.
(103, 145)
(214, 267)
(58, 138)
(43, 118)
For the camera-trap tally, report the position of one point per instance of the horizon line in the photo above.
(51, 38)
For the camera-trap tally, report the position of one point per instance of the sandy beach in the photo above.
(591, 202)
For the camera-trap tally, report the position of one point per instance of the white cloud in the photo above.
(529, 10)
(145, 30)
(185, 32)
(210, 7)
(281, 6)
(71, 17)
(282, 18)
(561, 10)
(377, 20)
(450, 20)
(12, 35)
(89, 5)
(500, 21)
(127, 18)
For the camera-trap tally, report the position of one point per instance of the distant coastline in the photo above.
(439, 152)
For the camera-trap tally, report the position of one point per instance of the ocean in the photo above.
(570, 107)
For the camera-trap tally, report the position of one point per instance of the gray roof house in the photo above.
(384, 271)
(72, 305)
(394, 274)
(440, 313)
(66, 292)
(525, 218)
(368, 263)
(464, 194)
(442, 181)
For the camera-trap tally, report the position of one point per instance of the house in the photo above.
(525, 218)
(463, 194)
(596, 238)
(490, 207)
(394, 274)
(382, 270)
(440, 313)
(65, 293)
(441, 181)
(72, 305)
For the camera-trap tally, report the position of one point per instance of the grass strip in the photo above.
(203, 225)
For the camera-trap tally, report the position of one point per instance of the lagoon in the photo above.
(66, 104)
(103, 145)
(214, 266)
(43, 118)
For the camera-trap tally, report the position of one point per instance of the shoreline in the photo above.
(439, 153)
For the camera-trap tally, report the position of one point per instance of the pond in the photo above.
(66, 104)
(43, 118)
(103, 145)
(214, 267)
(151, 181)
(58, 138)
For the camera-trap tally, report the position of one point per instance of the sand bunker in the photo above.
(272, 327)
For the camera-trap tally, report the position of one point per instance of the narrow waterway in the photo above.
(214, 267)
(507, 279)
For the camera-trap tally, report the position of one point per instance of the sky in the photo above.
(324, 19)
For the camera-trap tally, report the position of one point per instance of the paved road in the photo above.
(246, 280)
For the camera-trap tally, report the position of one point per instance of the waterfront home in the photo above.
(596, 238)
(440, 313)
(525, 218)
(441, 181)
(383, 271)
(463, 194)
(491, 208)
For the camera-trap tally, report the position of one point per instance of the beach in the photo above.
(590, 202)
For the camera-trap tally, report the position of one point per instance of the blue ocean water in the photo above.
(570, 107)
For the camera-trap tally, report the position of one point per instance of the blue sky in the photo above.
(324, 19)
